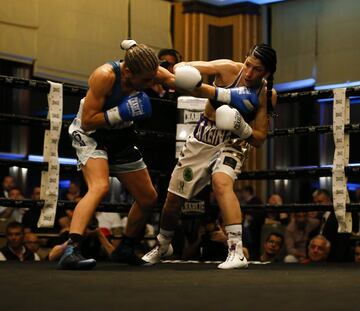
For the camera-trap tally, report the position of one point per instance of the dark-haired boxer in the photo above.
(219, 145)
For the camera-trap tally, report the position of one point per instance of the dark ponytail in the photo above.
(267, 55)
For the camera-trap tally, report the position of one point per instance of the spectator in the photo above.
(321, 196)
(32, 243)
(13, 213)
(340, 242)
(14, 248)
(73, 193)
(318, 249)
(94, 243)
(214, 243)
(297, 236)
(111, 225)
(8, 183)
(357, 253)
(276, 218)
(31, 217)
(272, 247)
(253, 221)
(357, 195)
(168, 58)
(171, 57)
(357, 200)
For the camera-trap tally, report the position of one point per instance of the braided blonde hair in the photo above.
(139, 58)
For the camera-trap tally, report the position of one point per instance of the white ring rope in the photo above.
(50, 179)
(341, 116)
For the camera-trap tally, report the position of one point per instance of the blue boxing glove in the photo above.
(133, 107)
(244, 99)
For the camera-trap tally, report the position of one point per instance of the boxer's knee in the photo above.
(221, 184)
(100, 188)
(148, 200)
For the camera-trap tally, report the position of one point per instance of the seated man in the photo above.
(340, 242)
(318, 250)
(297, 236)
(13, 213)
(14, 248)
(276, 218)
(32, 243)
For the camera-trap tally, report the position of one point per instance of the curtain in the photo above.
(76, 37)
(150, 23)
(293, 33)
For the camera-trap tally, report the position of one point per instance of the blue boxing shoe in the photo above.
(73, 260)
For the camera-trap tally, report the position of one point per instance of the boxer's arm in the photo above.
(218, 67)
(230, 119)
(165, 77)
(100, 84)
(57, 251)
(105, 243)
(260, 125)
(204, 91)
(187, 79)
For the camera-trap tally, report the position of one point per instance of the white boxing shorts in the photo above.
(114, 144)
(199, 159)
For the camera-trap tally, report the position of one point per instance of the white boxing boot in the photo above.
(235, 258)
(157, 254)
(162, 250)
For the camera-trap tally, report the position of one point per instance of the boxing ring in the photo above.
(180, 287)
(190, 285)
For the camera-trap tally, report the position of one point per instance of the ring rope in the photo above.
(296, 173)
(320, 94)
(69, 89)
(36, 121)
(124, 208)
(319, 129)
(6, 118)
(312, 172)
(43, 86)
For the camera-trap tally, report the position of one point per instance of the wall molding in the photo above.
(221, 11)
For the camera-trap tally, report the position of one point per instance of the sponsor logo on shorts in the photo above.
(209, 134)
(77, 137)
(193, 207)
(188, 174)
(230, 162)
(181, 187)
